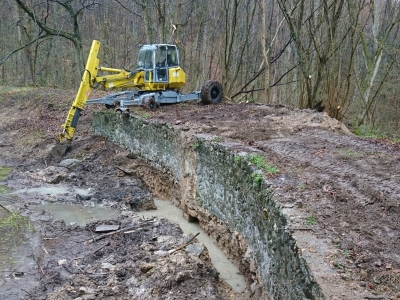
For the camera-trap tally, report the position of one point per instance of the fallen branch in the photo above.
(105, 245)
(37, 262)
(27, 292)
(132, 231)
(76, 265)
(300, 228)
(70, 272)
(44, 249)
(103, 236)
(188, 243)
(5, 208)
(127, 171)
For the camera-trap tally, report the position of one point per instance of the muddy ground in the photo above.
(334, 187)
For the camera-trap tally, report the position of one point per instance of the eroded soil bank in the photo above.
(340, 193)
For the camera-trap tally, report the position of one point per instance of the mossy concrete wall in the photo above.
(218, 186)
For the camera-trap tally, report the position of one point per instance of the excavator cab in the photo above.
(160, 64)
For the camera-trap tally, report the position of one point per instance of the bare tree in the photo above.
(374, 41)
(40, 13)
(237, 36)
(263, 6)
(314, 29)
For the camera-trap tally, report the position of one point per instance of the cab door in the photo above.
(161, 71)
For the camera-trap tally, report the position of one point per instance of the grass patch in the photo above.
(15, 222)
(301, 186)
(374, 133)
(363, 131)
(140, 112)
(261, 163)
(4, 189)
(4, 171)
(255, 179)
(238, 158)
(311, 220)
(349, 154)
(14, 233)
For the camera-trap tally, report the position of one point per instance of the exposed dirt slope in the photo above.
(335, 187)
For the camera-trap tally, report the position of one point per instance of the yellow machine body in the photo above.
(153, 74)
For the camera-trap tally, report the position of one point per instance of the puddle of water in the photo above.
(70, 213)
(74, 213)
(228, 271)
(52, 190)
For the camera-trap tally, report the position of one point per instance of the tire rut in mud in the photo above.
(351, 188)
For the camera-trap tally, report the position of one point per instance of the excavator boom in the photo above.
(85, 88)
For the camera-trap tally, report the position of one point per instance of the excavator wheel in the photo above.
(150, 103)
(211, 92)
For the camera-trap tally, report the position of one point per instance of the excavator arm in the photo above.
(119, 78)
(85, 88)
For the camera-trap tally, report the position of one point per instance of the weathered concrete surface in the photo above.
(214, 183)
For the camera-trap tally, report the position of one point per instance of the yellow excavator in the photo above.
(156, 81)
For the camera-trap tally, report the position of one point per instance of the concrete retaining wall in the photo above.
(220, 188)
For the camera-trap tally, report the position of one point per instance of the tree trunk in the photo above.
(264, 50)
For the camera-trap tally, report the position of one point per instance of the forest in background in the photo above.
(339, 55)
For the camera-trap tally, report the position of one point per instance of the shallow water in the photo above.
(74, 213)
(228, 271)
(51, 190)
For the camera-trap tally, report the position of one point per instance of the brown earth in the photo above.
(340, 193)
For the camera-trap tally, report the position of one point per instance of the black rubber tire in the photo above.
(150, 103)
(211, 92)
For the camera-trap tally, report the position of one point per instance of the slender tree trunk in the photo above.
(264, 50)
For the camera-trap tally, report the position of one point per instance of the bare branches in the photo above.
(42, 25)
(129, 10)
(2, 61)
(5, 208)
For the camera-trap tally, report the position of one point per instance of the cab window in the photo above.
(172, 56)
(161, 56)
(148, 61)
